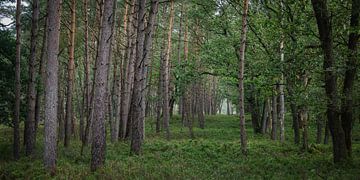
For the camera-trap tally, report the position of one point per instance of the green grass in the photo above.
(213, 154)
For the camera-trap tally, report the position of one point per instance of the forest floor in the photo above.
(213, 154)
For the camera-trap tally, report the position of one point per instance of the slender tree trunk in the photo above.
(86, 73)
(160, 101)
(40, 82)
(85, 130)
(337, 132)
(70, 75)
(347, 108)
(166, 80)
(274, 117)
(102, 65)
(282, 96)
(129, 78)
(51, 85)
(29, 134)
(241, 57)
(16, 143)
(265, 116)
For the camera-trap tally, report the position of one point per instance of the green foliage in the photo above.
(213, 154)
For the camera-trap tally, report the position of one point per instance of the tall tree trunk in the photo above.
(166, 93)
(102, 65)
(70, 75)
(86, 73)
(160, 101)
(337, 132)
(29, 134)
(241, 57)
(282, 96)
(129, 66)
(51, 85)
(41, 81)
(143, 46)
(347, 108)
(16, 143)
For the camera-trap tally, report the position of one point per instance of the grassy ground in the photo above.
(213, 154)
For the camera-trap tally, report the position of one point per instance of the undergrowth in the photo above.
(214, 153)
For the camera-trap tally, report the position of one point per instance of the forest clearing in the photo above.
(179, 89)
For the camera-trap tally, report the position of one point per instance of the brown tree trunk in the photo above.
(102, 65)
(337, 132)
(29, 134)
(16, 143)
(70, 75)
(347, 108)
(241, 57)
(51, 85)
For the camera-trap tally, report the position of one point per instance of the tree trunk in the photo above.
(16, 143)
(265, 117)
(129, 66)
(29, 134)
(102, 65)
(254, 110)
(51, 85)
(347, 108)
(337, 132)
(166, 80)
(241, 57)
(143, 46)
(274, 117)
(41, 81)
(282, 96)
(70, 75)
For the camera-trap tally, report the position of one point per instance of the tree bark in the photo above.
(241, 57)
(143, 46)
(16, 140)
(166, 93)
(347, 108)
(70, 75)
(51, 85)
(129, 66)
(100, 95)
(337, 132)
(29, 134)
(282, 96)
